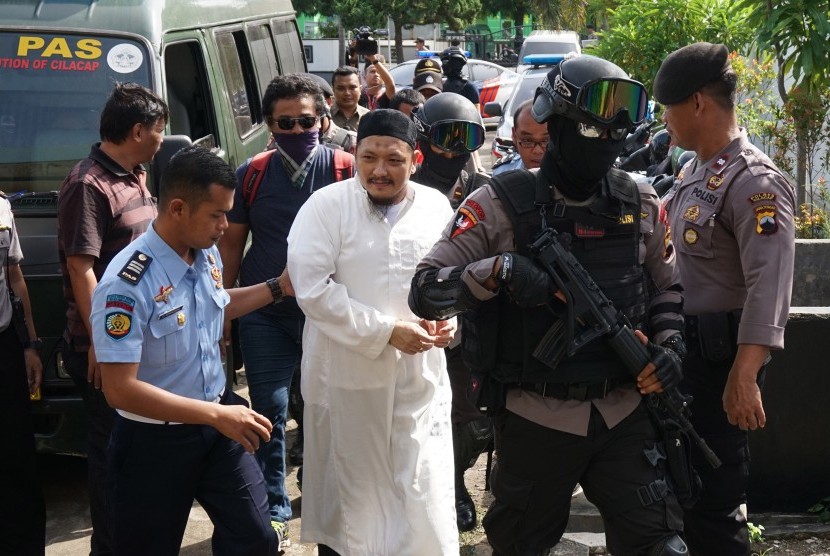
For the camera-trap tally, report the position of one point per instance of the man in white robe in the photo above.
(377, 478)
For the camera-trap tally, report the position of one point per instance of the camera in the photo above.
(364, 43)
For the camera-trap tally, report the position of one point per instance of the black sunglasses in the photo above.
(306, 122)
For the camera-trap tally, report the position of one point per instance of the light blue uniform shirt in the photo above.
(154, 309)
(515, 163)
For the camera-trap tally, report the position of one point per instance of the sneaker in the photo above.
(281, 528)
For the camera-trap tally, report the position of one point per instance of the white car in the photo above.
(537, 67)
(547, 43)
(493, 82)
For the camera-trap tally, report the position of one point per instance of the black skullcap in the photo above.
(687, 69)
(428, 80)
(391, 123)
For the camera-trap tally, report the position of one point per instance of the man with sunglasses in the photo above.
(530, 139)
(449, 130)
(733, 212)
(271, 337)
(582, 418)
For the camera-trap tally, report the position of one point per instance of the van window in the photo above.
(263, 54)
(289, 48)
(52, 89)
(240, 80)
(188, 92)
(547, 47)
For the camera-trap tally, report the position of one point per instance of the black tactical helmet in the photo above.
(683, 158)
(592, 91)
(659, 145)
(450, 122)
(452, 60)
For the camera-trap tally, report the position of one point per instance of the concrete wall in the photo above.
(811, 278)
(790, 468)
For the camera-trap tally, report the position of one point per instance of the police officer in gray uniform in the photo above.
(450, 129)
(583, 421)
(180, 433)
(731, 215)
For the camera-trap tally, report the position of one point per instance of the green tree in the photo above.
(642, 32)
(797, 33)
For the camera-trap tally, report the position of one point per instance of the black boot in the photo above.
(469, 439)
(295, 453)
(465, 510)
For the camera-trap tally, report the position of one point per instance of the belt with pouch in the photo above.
(715, 335)
(580, 391)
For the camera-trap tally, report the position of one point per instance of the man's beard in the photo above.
(379, 206)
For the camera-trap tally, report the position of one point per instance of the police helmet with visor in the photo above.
(451, 123)
(593, 92)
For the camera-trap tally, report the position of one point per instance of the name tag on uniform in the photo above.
(171, 312)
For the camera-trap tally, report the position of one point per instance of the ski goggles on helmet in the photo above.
(605, 100)
(595, 132)
(452, 136)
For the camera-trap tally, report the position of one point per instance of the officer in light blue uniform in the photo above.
(180, 434)
(508, 162)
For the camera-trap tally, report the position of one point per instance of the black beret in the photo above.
(687, 69)
(391, 123)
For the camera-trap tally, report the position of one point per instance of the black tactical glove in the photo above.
(668, 362)
(527, 284)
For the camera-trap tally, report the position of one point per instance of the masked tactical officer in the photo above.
(583, 421)
(732, 214)
(449, 130)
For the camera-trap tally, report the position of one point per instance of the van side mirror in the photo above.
(493, 109)
(169, 146)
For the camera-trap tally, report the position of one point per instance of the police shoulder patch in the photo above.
(465, 220)
(135, 267)
(118, 325)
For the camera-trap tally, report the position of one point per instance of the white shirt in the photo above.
(378, 473)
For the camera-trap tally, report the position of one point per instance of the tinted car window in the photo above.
(483, 72)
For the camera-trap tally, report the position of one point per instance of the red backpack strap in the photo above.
(254, 174)
(343, 165)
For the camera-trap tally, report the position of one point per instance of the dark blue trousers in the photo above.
(157, 472)
(22, 513)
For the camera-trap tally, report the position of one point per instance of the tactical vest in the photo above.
(499, 337)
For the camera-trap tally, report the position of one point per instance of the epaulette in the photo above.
(505, 159)
(135, 267)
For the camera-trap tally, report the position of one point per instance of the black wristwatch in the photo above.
(276, 290)
(37, 343)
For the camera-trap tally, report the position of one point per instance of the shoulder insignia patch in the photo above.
(765, 220)
(135, 267)
(690, 236)
(714, 182)
(692, 213)
(763, 196)
(465, 220)
(476, 209)
(122, 302)
(118, 325)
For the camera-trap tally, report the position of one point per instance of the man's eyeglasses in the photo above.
(529, 144)
(595, 132)
(306, 122)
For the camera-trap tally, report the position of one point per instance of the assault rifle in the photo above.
(595, 314)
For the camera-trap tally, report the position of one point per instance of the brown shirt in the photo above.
(475, 242)
(732, 220)
(101, 208)
(350, 123)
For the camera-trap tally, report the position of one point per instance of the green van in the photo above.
(210, 60)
